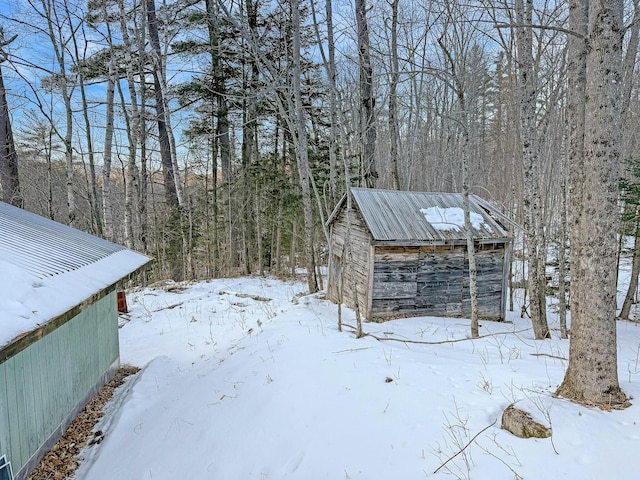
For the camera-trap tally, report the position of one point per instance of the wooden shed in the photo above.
(395, 254)
(58, 329)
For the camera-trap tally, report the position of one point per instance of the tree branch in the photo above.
(540, 27)
(468, 443)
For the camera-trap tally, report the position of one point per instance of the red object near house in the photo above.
(122, 303)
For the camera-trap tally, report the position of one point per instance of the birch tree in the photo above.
(534, 233)
(460, 71)
(57, 28)
(133, 124)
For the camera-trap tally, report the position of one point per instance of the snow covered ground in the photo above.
(236, 387)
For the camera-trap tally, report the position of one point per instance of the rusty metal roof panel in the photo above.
(397, 216)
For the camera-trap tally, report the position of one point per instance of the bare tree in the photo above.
(302, 148)
(367, 98)
(57, 28)
(133, 124)
(9, 180)
(394, 135)
(534, 233)
(173, 188)
(107, 212)
(462, 83)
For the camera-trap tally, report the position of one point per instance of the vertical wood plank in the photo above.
(4, 419)
(18, 454)
(29, 412)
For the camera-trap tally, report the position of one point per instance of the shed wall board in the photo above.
(44, 385)
(428, 281)
(4, 415)
(350, 262)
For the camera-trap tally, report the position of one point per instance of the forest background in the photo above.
(217, 136)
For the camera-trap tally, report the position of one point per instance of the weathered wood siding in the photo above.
(350, 263)
(435, 281)
(44, 386)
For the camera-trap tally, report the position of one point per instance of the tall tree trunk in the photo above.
(367, 98)
(96, 219)
(533, 215)
(9, 179)
(592, 374)
(562, 245)
(220, 92)
(112, 78)
(394, 136)
(107, 210)
(58, 44)
(133, 124)
(173, 193)
(471, 253)
(301, 148)
(329, 63)
(459, 78)
(143, 182)
(333, 107)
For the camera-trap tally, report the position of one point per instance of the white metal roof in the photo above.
(47, 268)
(398, 216)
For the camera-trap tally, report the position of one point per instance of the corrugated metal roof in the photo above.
(47, 268)
(393, 215)
(44, 247)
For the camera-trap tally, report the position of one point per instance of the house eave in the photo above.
(26, 339)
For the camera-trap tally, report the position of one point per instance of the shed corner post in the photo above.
(330, 265)
(505, 279)
(372, 263)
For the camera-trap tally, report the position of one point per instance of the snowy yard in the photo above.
(236, 387)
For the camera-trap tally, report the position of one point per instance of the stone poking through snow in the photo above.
(522, 425)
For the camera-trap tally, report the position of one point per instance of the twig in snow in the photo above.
(465, 447)
(168, 307)
(352, 350)
(549, 355)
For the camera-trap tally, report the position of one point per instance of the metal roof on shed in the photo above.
(395, 216)
(44, 247)
(47, 268)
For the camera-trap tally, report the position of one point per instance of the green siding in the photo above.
(45, 383)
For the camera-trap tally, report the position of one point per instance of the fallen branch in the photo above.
(549, 355)
(440, 342)
(257, 298)
(352, 350)
(168, 307)
(465, 447)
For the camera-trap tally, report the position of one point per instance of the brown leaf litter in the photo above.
(62, 460)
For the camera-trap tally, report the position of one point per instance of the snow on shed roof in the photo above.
(47, 268)
(399, 216)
